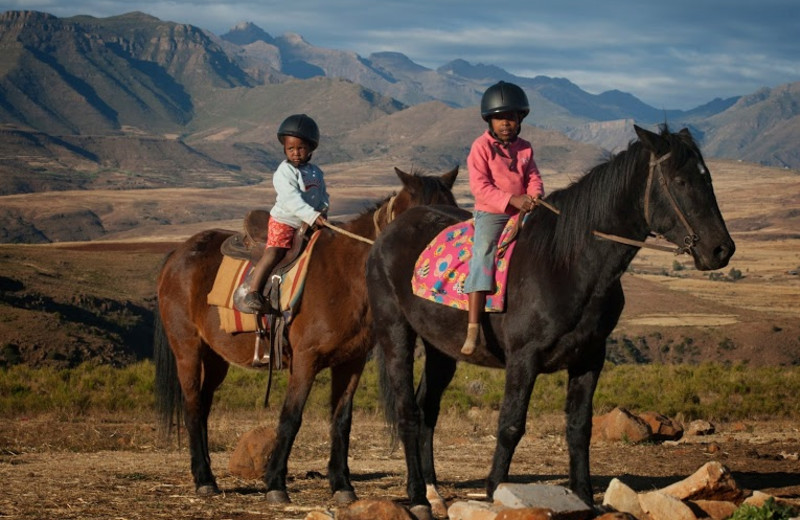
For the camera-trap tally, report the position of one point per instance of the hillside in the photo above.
(762, 127)
(93, 299)
(74, 91)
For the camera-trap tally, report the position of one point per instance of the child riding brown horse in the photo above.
(330, 329)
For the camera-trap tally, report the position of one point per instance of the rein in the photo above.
(688, 241)
(389, 210)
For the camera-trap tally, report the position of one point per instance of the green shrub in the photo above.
(769, 511)
(709, 391)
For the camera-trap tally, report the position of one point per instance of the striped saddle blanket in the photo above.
(233, 271)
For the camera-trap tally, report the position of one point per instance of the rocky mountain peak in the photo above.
(245, 33)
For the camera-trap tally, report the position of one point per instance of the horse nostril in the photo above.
(724, 252)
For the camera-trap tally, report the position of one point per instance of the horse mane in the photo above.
(560, 239)
(426, 187)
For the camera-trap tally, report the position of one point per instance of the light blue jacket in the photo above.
(301, 195)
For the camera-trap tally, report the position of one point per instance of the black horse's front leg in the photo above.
(520, 377)
(580, 391)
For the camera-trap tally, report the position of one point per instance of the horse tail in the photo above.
(169, 399)
(387, 397)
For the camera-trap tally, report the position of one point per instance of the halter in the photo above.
(691, 237)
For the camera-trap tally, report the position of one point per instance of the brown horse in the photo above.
(330, 329)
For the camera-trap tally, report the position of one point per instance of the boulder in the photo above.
(369, 509)
(663, 428)
(622, 498)
(249, 459)
(473, 510)
(712, 481)
(660, 506)
(620, 425)
(700, 427)
(563, 503)
(713, 509)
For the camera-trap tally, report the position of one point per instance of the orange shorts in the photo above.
(279, 235)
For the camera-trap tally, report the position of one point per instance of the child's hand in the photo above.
(320, 222)
(522, 202)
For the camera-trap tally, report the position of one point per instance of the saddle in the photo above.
(249, 246)
(251, 242)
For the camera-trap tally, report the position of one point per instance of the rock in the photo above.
(369, 509)
(620, 425)
(663, 428)
(700, 427)
(759, 498)
(713, 509)
(318, 515)
(622, 498)
(526, 513)
(712, 481)
(660, 506)
(249, 459)
(561, 501)
(473, 510)
(618, 515)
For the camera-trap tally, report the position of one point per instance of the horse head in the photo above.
(424, 190)
(679, 201)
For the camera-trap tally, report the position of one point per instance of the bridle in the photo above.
(691, 237)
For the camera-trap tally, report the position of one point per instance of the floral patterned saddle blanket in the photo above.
(443, 265)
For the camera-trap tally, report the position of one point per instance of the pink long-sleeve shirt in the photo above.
(496, 173)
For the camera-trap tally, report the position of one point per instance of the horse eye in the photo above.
(680, 181)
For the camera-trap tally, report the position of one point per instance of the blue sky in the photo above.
(674, 54)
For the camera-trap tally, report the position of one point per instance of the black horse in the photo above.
(564, 298)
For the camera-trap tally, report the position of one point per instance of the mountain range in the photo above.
(132, 101)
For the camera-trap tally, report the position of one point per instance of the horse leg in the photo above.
(438, 373)
(396, 341)
(520, 377)
(580, 391)
(200, 375)
(344, 382)
(298, 388)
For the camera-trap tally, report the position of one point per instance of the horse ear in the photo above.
(685, 131)
(408, 180)
(651, 140)
(449, 178)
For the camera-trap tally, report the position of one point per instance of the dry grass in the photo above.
(118, 467)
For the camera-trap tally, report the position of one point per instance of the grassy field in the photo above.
(709, 391)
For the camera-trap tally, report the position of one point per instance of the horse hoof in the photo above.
(207, 490)
(344, 498)
(421, 512)
(277, 496)
(438, 508)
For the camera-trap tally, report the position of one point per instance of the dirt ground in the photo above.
(119, 468)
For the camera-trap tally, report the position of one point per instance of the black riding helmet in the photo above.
(302, 126)
(504, 97)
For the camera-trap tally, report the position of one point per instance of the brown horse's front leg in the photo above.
(344, 382)
(297, 391)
